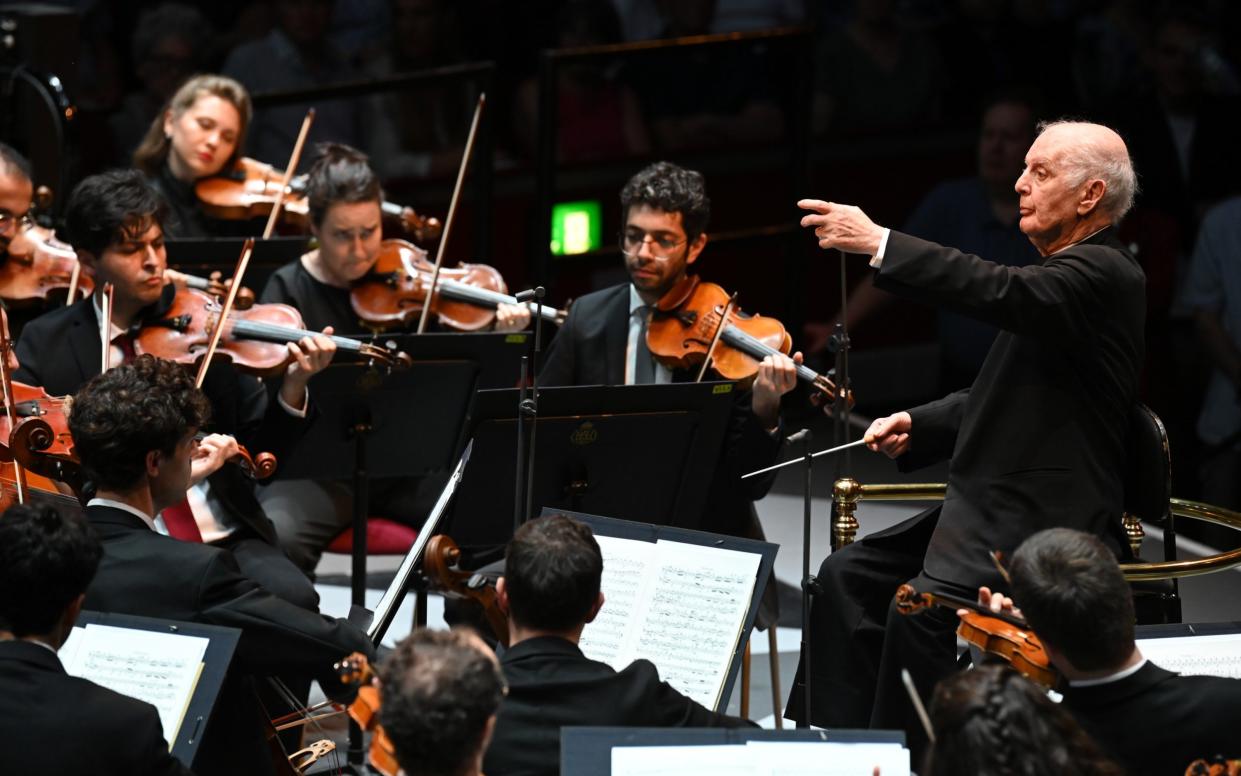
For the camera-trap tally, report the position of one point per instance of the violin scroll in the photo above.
(440, 564)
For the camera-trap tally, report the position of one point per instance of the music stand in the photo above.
(636, 452)
(222, 642)
(405, 423)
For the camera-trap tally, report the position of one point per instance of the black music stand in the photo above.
(404, 423)
(222, 644)
(636, 452)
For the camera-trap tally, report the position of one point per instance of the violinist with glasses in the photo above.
(1069, 588)
(116, 221)
(16, 196)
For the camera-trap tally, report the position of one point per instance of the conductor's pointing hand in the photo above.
(841, 226)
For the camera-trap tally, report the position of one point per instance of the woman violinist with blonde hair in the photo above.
(199, 134)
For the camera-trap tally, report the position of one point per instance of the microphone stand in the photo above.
(809, 584)
(528, 407)
(839, 345)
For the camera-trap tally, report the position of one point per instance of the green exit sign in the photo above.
(577, 227)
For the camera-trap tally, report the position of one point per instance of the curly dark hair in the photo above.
(672, 189)
(439, 689)
(552, 570)
(1071, 590)
(122, 414)
(340, 173)
(112, 207)
(47, 559)
(991, 720)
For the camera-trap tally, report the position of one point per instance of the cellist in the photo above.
(116, 221)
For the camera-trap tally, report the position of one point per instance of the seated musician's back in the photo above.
(134, 429)
(51, 722)
(550, 591)
(1151, 720)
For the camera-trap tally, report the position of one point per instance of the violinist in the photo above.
(1071, 591)
(46, 562)
(116, 221)
(1037, 441)
(135, 427)
(198, 135)
(16, 195)
(344, 198)
(550, 591)
(603, 342)
(434, 676)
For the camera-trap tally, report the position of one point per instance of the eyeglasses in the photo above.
(662, 245)
(7, 218)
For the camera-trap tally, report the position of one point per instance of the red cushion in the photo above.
(383, 537)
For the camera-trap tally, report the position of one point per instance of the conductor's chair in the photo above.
(1147, 499)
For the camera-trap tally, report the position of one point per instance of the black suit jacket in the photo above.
(589, 349)
(152, 575)
(551, 685)
(1038, 440)
(51, 722)
(60, 351)
(1157, 722)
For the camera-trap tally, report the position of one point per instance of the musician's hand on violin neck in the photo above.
(890, 435)
(311, 355)
(842, 226)
(512, 317)
(777, 375)
(996, 602)
(213, 451)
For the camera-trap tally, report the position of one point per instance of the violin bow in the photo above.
(10, 406)
(243, 262)
(74, 278)
(452, 212)
(719, 332)
(105, 328)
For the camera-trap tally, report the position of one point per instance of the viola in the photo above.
(996, 633)
(37, 436)
(696, 322)
(356, 671)
(39, 268)
(249, 190)
(254, 340)
(440, 565)
(394, 292)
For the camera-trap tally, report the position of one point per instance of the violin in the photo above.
(213, 285)
(697, 323)
(249, 190)
(440, 565)
(356, 671)
(40, 267)
(254, 340)
(394, 292)
(996, 633)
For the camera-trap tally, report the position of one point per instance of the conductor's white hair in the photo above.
(1087, 160)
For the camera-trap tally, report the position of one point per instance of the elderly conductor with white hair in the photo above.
(1037, 441)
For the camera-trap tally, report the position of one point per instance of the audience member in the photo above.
(296, 55)
(550, 591)
(51, 722)
(440, 692)
(992, 720)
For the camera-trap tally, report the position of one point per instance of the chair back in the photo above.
(1148, 467)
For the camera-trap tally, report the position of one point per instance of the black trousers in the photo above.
(860, 642)
(267, 565)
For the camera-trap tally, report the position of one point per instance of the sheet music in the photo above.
(679, 605)
(159, 668)
(1214, 655)
(625, 562)
(683, 761)
(830, 758)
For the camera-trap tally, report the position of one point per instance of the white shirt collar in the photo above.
(1116, 677)
(107, 502)
(114, 331)
(635, 301)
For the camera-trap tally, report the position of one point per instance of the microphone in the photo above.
(530, 294)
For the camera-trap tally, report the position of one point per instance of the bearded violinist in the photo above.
(603, 340)
(116, 221)
(1037, 441)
